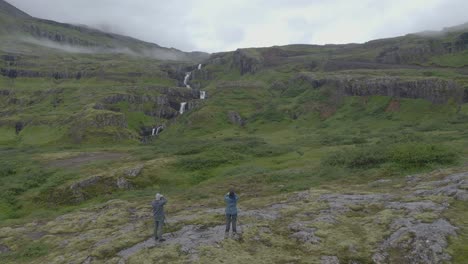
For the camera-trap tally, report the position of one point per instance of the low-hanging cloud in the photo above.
(156, 53)
(211, 25)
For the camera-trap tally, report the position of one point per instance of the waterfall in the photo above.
(187, 76)
(158, 129)
(153, 132)
(202, 95)
(199, 66)
(182, 107)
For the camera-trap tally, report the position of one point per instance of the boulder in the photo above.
(135, 171)
(303, 234)
(93, 186)
(18, 127)
(123, 183)
(235, 118)
(4, 249)
(329, 260)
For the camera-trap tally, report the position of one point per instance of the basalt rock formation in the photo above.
(432, 89)
(246, 62)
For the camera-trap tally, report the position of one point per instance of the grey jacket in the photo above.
(158, 208)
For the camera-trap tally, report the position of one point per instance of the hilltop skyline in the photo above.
(212, 26)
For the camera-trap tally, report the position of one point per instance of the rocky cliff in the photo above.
(432, 89)
(246, 62)
(423, 50)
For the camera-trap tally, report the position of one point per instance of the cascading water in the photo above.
(199, 66)
(182, 107)
(202, 95)
(158, 130)
(153, 132)
(187, 76)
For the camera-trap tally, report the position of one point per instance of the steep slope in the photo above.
(47, 65)
(10, 10)
(24, 29)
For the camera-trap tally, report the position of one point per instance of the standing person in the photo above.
(159, 216)
(231, 199)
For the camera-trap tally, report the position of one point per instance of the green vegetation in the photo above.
(72, 125)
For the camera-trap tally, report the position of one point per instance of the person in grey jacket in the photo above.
(159, 216)
(231, 199)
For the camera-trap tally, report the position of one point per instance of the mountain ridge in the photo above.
(18, 23)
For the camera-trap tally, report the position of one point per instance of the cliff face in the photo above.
(245, 62)
(423, 50)
(432, 89)
(166, 105)
(41, 33)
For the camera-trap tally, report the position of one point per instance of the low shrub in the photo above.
(420, 155)
(408, 155)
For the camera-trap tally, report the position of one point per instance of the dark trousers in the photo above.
(231, 218)
(158, 228)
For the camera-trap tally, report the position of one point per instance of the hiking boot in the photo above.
(162, 240)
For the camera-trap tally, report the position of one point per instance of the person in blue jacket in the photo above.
(231, 199)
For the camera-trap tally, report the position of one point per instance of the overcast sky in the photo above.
(222, 25)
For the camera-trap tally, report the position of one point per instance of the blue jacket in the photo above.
(231, 204)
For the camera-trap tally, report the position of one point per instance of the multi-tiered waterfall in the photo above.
(202, 95)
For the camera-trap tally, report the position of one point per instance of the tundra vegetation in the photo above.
(340, 153)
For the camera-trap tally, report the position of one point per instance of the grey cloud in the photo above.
(213, 25)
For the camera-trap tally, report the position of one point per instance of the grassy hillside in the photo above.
(294, 129)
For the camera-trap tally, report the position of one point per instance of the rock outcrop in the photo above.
(418, 242)
(166, 105)
(246, 62)
(135, 171)
(421, 52)
(329, 260)
(435, 90)
(94, 186)
(235, 118)
(4, 249)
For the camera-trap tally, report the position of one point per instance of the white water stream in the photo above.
(187, 76)
(182, 107)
